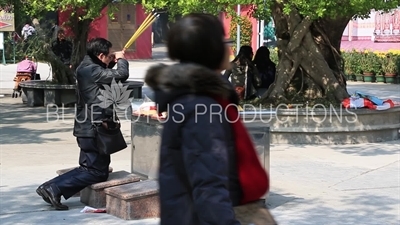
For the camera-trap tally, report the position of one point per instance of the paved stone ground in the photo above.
(337, 184)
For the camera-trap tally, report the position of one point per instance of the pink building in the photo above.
(379, 32)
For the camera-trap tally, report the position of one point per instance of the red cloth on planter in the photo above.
(253, 178)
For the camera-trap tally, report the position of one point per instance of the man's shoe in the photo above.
(55, 199)
(41, 195)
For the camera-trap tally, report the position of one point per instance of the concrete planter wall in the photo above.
(330, 126)
(44, 93)
(318, 126)
(146, 138)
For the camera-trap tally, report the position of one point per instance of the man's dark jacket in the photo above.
(91, 75)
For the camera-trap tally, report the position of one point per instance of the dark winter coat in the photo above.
(91, 75)
(267, 72)
(246, 76)
(197, 175)
(63, 50)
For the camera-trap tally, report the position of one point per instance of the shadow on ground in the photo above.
(357, 208)
(21, 205)
(14, 134)
(14, 112)
(21, 124)
(372, 149)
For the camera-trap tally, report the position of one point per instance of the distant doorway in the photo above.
(122, 26)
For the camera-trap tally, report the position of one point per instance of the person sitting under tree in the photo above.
(26, 70)
(62, 48)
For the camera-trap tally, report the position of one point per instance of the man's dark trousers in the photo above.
(93, 169)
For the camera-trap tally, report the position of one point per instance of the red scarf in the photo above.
(253, 178)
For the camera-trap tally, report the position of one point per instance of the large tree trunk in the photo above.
(310, 67)
(81, 30)
(61, 73)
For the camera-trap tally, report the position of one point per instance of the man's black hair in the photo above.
(96, 46)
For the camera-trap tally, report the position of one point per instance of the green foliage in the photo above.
(357, 62)
(262, 8)
(274, 55)
(390, 63)
(22, 49)
(347, 63)
(352, 62)
(334, 8)
(83, 9)
(370, 62)
(246, 31)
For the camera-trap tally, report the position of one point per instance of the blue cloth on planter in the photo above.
(375, 100)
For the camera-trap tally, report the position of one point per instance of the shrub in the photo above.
(246, 31)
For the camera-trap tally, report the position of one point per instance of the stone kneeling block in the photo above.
(62, 171)
(138, 200)
(94, 195)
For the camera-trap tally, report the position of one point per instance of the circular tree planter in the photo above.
(45, 93)
(315, 126)
(325, 125)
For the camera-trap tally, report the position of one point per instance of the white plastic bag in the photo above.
(89, 209)
(144, 106)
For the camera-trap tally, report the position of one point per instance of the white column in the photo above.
(238, 32)
(350, 30)
(262, 27)
(258, 34)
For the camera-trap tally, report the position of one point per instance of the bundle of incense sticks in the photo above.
(146, 23)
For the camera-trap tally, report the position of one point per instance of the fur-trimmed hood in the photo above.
(171, 82)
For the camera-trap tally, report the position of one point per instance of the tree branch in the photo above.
(300, 31)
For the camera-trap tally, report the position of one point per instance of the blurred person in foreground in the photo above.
(94, 71)
(208, 164)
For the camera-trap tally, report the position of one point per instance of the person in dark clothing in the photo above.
(200, 152)
(243, 73)
(265, 67)
(93, 72)
(62, 48)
